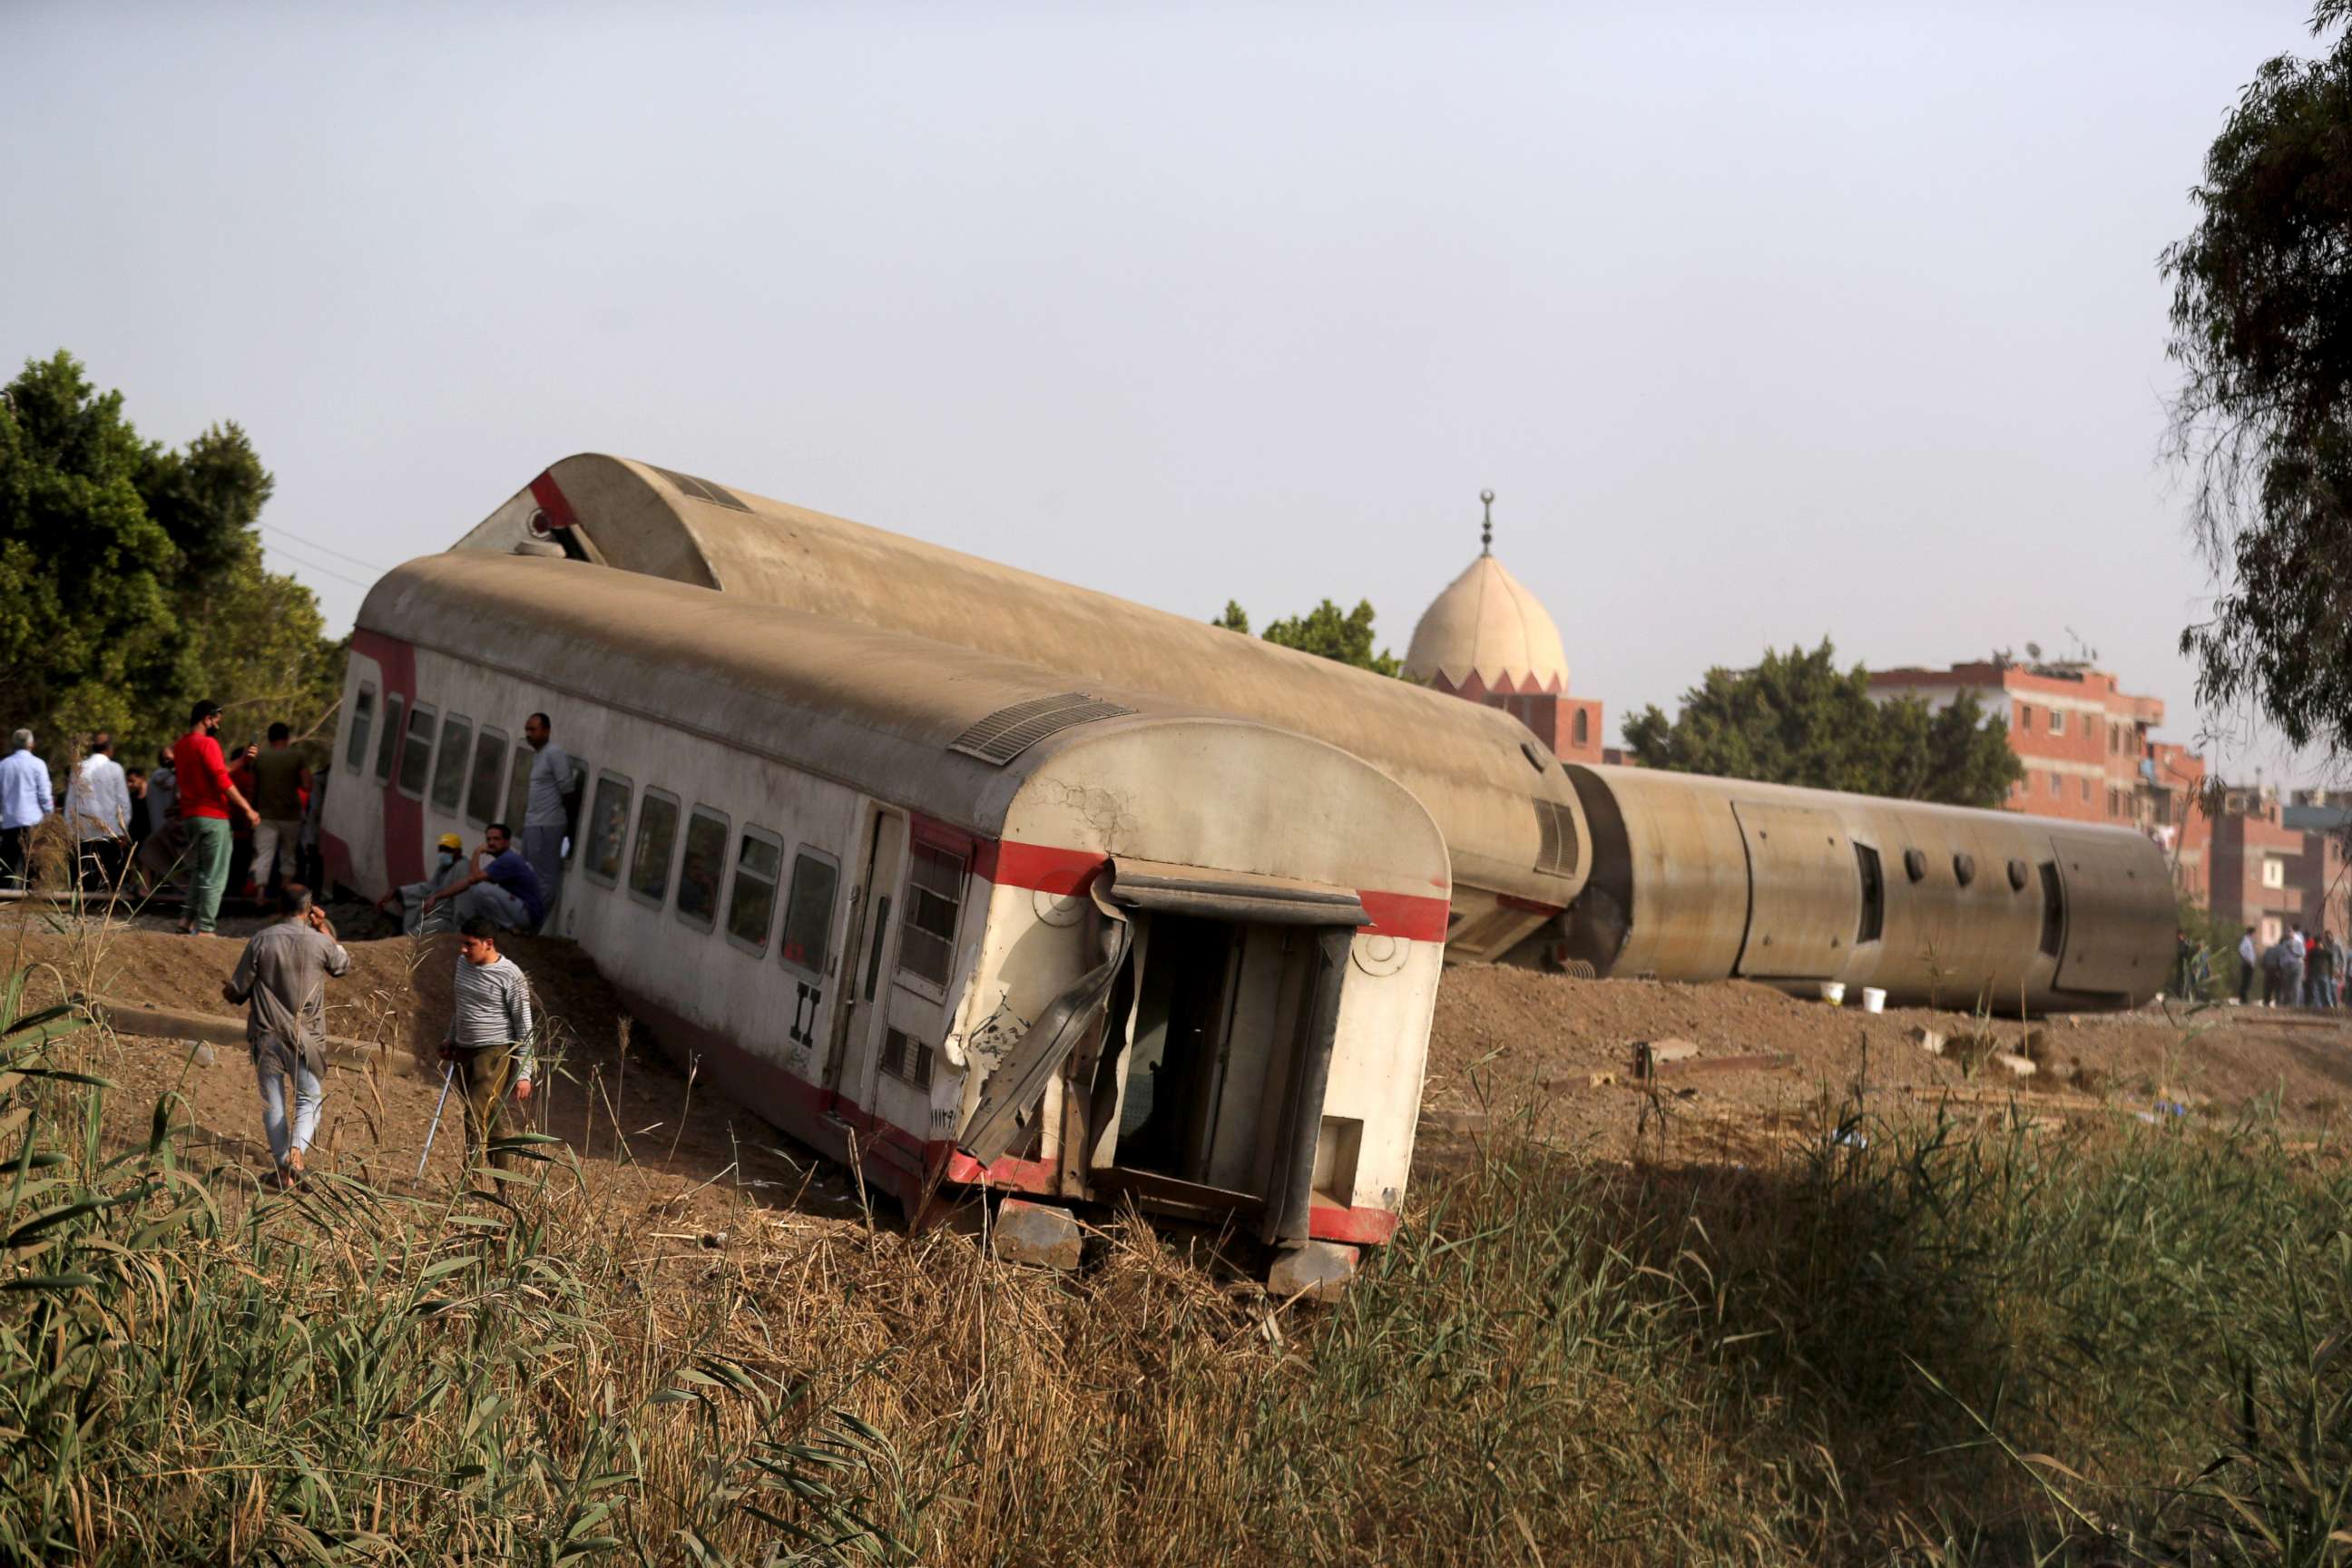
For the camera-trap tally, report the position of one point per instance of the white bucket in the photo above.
(1874, 1000)
(1833, 992)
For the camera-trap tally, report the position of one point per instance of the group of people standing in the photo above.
(2296, 971)
(133, 830)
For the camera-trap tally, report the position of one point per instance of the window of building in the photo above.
(751, 906)
(362, 720)
(2057, 721)
(656, 842)
(2053, 786)
(390, 745)
(1581, 728)
(808, 912)
(2025, 716)
(417, 753)
(2273, 872)
(704, 863)
(482, 792)
(2086, 789)
(450, 768)
(927, 928)
(608, 829)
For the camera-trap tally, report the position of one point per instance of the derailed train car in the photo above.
(930, 911)
(1629, 872)
(1934, 904)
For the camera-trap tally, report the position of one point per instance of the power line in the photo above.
(309, 543)
(322, 571)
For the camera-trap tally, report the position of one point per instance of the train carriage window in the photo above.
(519, 790)
(656, 845)
(927, 928)
(608, 829)
(417, 753)
(751, 904)
(808, 912)
(362, 720)
(1873, 924)
(482, 794)
(449, 769)
(705, 864)
(389, 745)
(2053, 910)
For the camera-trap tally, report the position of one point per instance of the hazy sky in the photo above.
(1763, 321)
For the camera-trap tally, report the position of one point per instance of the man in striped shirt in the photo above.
(488, 1042)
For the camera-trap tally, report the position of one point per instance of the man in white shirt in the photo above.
(98, 814)
(547, 811)
(24, 803)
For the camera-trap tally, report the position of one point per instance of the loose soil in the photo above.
(1551, 1054)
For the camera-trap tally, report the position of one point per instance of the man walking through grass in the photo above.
(281, 978)
(488, 1043)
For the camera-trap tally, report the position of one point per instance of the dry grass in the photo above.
(1854, 1353)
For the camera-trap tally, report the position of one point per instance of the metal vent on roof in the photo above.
(702, 489)
(1009, 732)
(1556, 824)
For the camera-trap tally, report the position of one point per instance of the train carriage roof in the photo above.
(1477, 771)
(941, 729)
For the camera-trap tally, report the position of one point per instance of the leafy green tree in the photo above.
(1798, 719)
(2262, 327)
(1326, 631)
(131, 580)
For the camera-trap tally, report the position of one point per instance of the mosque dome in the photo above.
(1487, 633)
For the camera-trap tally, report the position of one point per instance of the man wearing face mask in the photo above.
(448, 871)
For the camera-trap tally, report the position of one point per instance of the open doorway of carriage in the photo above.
(1210, 1099)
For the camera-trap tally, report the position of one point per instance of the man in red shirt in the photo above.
(206, 793)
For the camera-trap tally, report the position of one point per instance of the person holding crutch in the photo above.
(487, 1046)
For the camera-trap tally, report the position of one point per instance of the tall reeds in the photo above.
(1924, 1343)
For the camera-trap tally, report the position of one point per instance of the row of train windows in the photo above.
(605, 845)
(599, 844)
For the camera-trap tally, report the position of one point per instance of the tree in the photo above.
(2262, 327)
(132, 579)
(1325, 631)
(1797, 719)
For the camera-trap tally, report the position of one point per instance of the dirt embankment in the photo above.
(1507, 1043)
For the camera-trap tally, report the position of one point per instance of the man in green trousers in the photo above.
(206, 794)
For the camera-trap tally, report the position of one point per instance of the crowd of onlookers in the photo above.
(207, 819)
(211, 821)
(2296, 971)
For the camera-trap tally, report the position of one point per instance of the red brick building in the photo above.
(2087, 751)
(1488, 639)
(2276, 867)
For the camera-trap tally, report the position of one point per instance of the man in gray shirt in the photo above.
(488, 1042)
(282, 974)
(547, 811)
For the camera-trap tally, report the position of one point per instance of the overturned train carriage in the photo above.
(1934, 904)
(1630, 872)
(926, 909)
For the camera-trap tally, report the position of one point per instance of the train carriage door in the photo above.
(858, 1022)
(1804, 899)
(2124, 949)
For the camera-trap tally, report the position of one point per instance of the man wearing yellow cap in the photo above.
(449, 871)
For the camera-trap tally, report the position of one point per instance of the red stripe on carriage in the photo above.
(551, 501)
